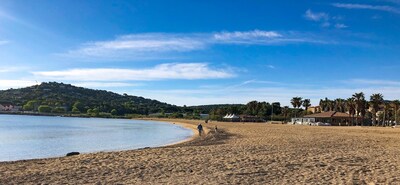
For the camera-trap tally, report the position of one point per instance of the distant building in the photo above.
(242, 118)
(6, 107)
(331, 117)
(249, 118)
(17, 108)
(315, 109)
(231, 118)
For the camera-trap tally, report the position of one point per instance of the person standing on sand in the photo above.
(200, 128)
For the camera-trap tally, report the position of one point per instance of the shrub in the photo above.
(59, 110)
(44, 109)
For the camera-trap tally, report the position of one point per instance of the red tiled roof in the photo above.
(329, 114)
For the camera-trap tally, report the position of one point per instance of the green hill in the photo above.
(64, 98)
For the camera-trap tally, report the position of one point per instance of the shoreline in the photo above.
(248, 153)
(189, 126)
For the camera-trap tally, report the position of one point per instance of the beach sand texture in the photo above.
(250, 153)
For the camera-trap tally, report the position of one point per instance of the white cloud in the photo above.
(187, 71)
(367, 6)
(7, 84)
(138, 44)
(340, 26)
(314, 16)
(258, 37)
(271, 66)
(324, 19)
(161, 45)
(245, 37)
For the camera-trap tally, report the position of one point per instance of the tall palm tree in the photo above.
(386, 109)
(326, 104)
(322, 104)
(340, 105)
(396, 105)
(285, 112)
(364, 105)
(351, 107)
(306, 103)
(330, 105)
(375, 101)
(296, 102)
(358, 99)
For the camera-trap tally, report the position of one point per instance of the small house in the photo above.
(6, 107)
(331, 117)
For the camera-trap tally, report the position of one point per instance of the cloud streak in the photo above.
(249, 37)
(184, 71)
(135, 45)
(368, 7)
(314, 16)
(160, 44)
(324, 19)
(340, 26)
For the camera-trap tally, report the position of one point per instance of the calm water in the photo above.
(29, 137)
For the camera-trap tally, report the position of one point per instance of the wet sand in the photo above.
(250, 153)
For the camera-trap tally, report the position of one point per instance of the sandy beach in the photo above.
(250, 153)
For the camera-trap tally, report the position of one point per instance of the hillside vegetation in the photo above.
(62, 98)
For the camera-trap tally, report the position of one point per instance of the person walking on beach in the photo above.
(200, 128)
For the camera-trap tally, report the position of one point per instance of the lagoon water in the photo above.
(31, 137)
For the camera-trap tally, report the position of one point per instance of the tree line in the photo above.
(59, 98)
(375, 111)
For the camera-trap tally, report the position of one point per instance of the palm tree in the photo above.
(285, 112)
(351, 106)
(375, 101)
(340, 105)
(306, 103)
(364, 105)
(330, 105)
(386, 109)
(396, 105)
(296, 102)
(326, 104)
(322, 104)
(358, 99)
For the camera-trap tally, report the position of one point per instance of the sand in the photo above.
(250, 153)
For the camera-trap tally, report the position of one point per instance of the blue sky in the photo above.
(205, 52)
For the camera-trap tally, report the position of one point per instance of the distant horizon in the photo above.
(282, 105)
(207, 52)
